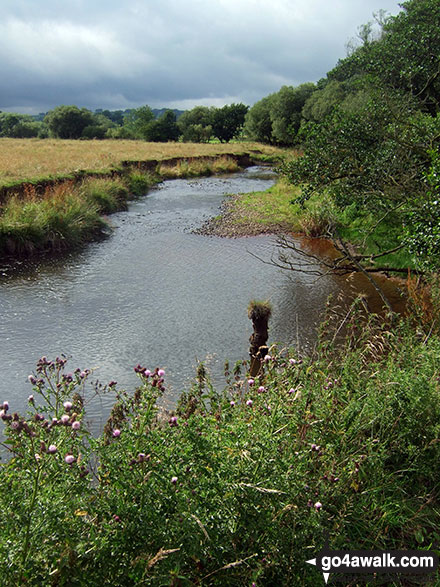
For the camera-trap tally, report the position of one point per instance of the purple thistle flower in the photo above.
(52, 449)
(251, 382)
(6, 406)
(31, 399)
(65, 418)
(261, 389)
(69, 459)
(76, 425)
(147, 373)
(173, 421)
(32, 379)
(67, 406)
(267, 358)
(232, 403)
(161, 372)
(116, 433)
(173, 480)
(249, 403)
(318, 506)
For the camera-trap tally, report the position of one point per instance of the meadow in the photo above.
(26, 159)
(55, 192)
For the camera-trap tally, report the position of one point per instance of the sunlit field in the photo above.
(22, 159)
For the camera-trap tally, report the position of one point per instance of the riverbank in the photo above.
(64, 212)
(278, 211)
(268, 212)
(34, 160)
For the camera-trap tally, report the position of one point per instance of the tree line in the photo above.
(370, 136)
(201, 124)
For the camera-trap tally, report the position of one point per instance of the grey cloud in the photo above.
(162, 52)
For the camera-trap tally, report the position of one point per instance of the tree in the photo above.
(258, 122)
(68, 122)
(163, 129)
(321, 102)
(195, 125)
(18, 126)
(227, 122)
(285, 112)
(373, 136)
(138, 121)
(406, 56)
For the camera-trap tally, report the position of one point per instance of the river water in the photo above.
(154, 293)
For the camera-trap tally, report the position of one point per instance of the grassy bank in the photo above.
(276, 210)
(34, 159)
(238, 487)
(66, 215)
(59, 215)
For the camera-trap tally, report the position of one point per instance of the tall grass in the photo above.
(60, 220)
(194, 168)
(25, 159)
(107, 195)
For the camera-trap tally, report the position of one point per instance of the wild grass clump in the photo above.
(139, 182)
(225, 165)
(259, 310)
(57, 221)
(198, 167)
(237, 486)
(107, 194)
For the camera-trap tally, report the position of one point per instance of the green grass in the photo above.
(61, 220)
(238, 486)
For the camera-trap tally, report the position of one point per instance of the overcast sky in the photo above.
(168, 53)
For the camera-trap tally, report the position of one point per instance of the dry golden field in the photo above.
(25, 159)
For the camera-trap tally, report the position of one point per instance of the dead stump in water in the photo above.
(259, 313)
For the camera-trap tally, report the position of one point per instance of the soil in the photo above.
(229, 224)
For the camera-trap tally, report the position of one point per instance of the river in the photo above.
(154, 293)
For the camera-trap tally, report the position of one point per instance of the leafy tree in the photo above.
(227, 122)
(258, 123)
(406, 56)
(195, 125)
(321, 102)
(285, 112)
(164, 128)
(138, 121)
(373, 136)
(98, 129)
(68, 122)
(18, 126)
(116, 116)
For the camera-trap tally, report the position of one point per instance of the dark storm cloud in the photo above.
(168, 52)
